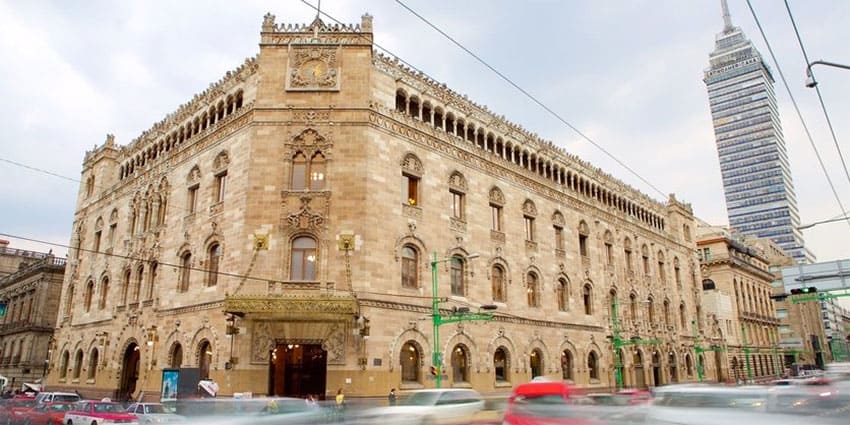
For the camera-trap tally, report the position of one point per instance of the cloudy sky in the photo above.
(626, 73)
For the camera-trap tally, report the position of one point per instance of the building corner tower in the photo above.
(760, 198)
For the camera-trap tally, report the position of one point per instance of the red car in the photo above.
(48, 414)
(99, 412)
(549, 403)
(15, 410)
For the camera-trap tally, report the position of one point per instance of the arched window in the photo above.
(78, 364)
(662, 274)
(185, 269)
(587, 298)
(563, 294)
(303, 259)
(317, 171)
(88, 295)
(633, 309)
(205, 359)
(644, 252)
(410, 360)
(457, 268)
(63, 365)
(498, 281)
(460, 364)
(409, 267)
(593, 365)
(650, 309)
(535, 361)
(93, 359)
(137, 288)
(177, 356)
(689, 365)
(501, 364)
(299, 172)
(104, 292)
(683, 321)
(69, 302)
(214, 254)
(532, 290)
(667, 312)
(627, 254)
(566, 365)
(152, 280)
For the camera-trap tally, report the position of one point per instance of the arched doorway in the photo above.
(656, 369)
(129, 371)
(566, 365)
(535, 361)
(672, 364)
(460, 364)
(720, 373)
(297, 370)
(640, 374)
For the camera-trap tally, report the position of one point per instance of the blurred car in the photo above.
(48, 413)
(154, 413)
(703, 404)
(431, 406)
(635, 396)
(48, 397)
(821, 401)
(282, 410)
(560, 403)
(15, 410)
(99, 412)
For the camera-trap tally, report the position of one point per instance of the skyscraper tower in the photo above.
(760, 198)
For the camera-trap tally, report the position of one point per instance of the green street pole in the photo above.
(618, 361)
(436, 356)
(746, 352)
(698, 350)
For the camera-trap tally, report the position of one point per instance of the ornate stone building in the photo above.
(31, 292)
(276, 233)
(737, 296)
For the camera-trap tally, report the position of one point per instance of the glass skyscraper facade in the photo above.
(760, 199)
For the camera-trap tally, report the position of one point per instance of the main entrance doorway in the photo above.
(129, 372)
(296, 370)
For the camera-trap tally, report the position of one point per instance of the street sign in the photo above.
(791, 343)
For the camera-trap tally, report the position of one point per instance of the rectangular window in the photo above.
(317, 176)
(529, 228)
(706, 254)
(410, 189)
(559, 238)
(457, 205)
(582, 245)
(496, 216)
(192, 203)
(96, 244)
(781, 313)
(220, 185)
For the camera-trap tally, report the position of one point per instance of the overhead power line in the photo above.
(532, 98)
(817, 90)
(799, 114)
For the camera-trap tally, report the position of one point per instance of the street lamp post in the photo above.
(457, 315)
(810, 80)
(619, 343)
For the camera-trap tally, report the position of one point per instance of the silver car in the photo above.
(425, 407)
(154, 413)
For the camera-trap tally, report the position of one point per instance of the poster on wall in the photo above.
(169, 384)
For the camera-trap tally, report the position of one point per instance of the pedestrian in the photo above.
(391, 397)
(340, 399)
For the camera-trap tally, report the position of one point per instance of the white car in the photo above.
(431, 406)
(154, 413)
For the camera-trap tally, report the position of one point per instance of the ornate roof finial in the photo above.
(727, 19)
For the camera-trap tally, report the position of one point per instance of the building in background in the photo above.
(737, 288)
(280, 234)
(31, 292)
(823, 285)
(760, 198)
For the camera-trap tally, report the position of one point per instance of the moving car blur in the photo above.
(425, 407)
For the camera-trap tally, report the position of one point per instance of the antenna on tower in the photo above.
(727, 19)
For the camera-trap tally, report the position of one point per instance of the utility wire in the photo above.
(817, 90)
(799, 114)
(532, 97)
(557, 116)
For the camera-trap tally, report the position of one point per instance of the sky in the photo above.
(628, 74)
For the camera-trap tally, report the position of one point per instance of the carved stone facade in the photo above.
(301, 200)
